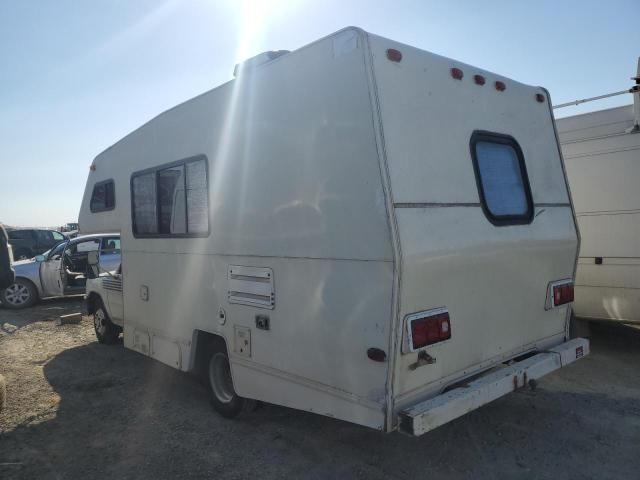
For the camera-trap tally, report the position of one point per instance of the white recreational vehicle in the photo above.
(357, 228)
(602, 154)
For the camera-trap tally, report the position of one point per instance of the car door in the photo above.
(52, 273)
(75, 264)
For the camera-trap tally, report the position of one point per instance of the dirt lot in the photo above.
(81, 410)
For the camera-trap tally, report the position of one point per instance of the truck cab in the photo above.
(103, 300)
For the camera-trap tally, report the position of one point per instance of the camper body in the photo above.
(360, 228)
(602, 155)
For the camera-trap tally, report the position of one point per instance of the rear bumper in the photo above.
(432, 413)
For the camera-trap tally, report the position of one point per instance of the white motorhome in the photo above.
(602, 154)
(357, 228)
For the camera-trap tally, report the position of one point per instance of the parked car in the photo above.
(60, 271)
(29, 242)
(7, 274)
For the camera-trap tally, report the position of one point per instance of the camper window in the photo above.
(171, 200)
(502, 180)
(103, 197)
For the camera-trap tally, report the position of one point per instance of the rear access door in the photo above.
(483, 217)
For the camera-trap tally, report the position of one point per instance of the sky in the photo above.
(75, 77)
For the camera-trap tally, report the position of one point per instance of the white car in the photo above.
(60, 271)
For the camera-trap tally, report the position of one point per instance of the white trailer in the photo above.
(357, 228)
(602, 154)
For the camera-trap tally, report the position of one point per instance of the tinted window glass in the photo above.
(143, 195)
(103, 197)
(44, 236)
(110, 246)
(57, 250)
(502, 181)
(20, 234)
(171, 200)
(197, 198)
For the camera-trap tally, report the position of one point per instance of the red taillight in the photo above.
(562, 294)
(500, 86)
(479, 79)
(430, 329)
(540, 97)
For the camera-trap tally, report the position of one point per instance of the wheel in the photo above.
(21, 294)
(106, 331)
(223, 396)
(22, 254)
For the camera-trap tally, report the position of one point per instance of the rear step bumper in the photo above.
(432, 413)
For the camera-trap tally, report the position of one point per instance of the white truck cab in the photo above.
(103, 300)
(357, 228)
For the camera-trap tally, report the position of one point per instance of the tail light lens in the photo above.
(427, 328)
(562, 294)
(559, 293)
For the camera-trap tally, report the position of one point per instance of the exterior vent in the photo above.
(258, 60)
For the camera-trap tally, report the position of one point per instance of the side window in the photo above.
(103, 197)
(57, 251)
(58, 237)
(44, 236)
(19, 234)
(171, 203)
(171, 200)
(143, 199)
(85, 247)
(110, 246)
(501, 176)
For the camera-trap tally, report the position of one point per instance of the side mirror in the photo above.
(93, 259)
(39, 258)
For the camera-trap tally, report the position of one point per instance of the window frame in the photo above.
(502, 139)
(99, 184)
(154, 170)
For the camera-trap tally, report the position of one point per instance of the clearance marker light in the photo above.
(394, 55)
(457, 73)
(479, 79)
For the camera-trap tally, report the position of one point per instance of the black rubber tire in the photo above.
(106, 331)
(31, 289)
(233, 405)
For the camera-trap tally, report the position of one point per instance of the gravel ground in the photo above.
(79, 410)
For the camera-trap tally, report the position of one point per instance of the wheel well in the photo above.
(92, 302)
(33, 285)
(205, 343)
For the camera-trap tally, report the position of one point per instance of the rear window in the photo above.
(103, 197)
(501, 177)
